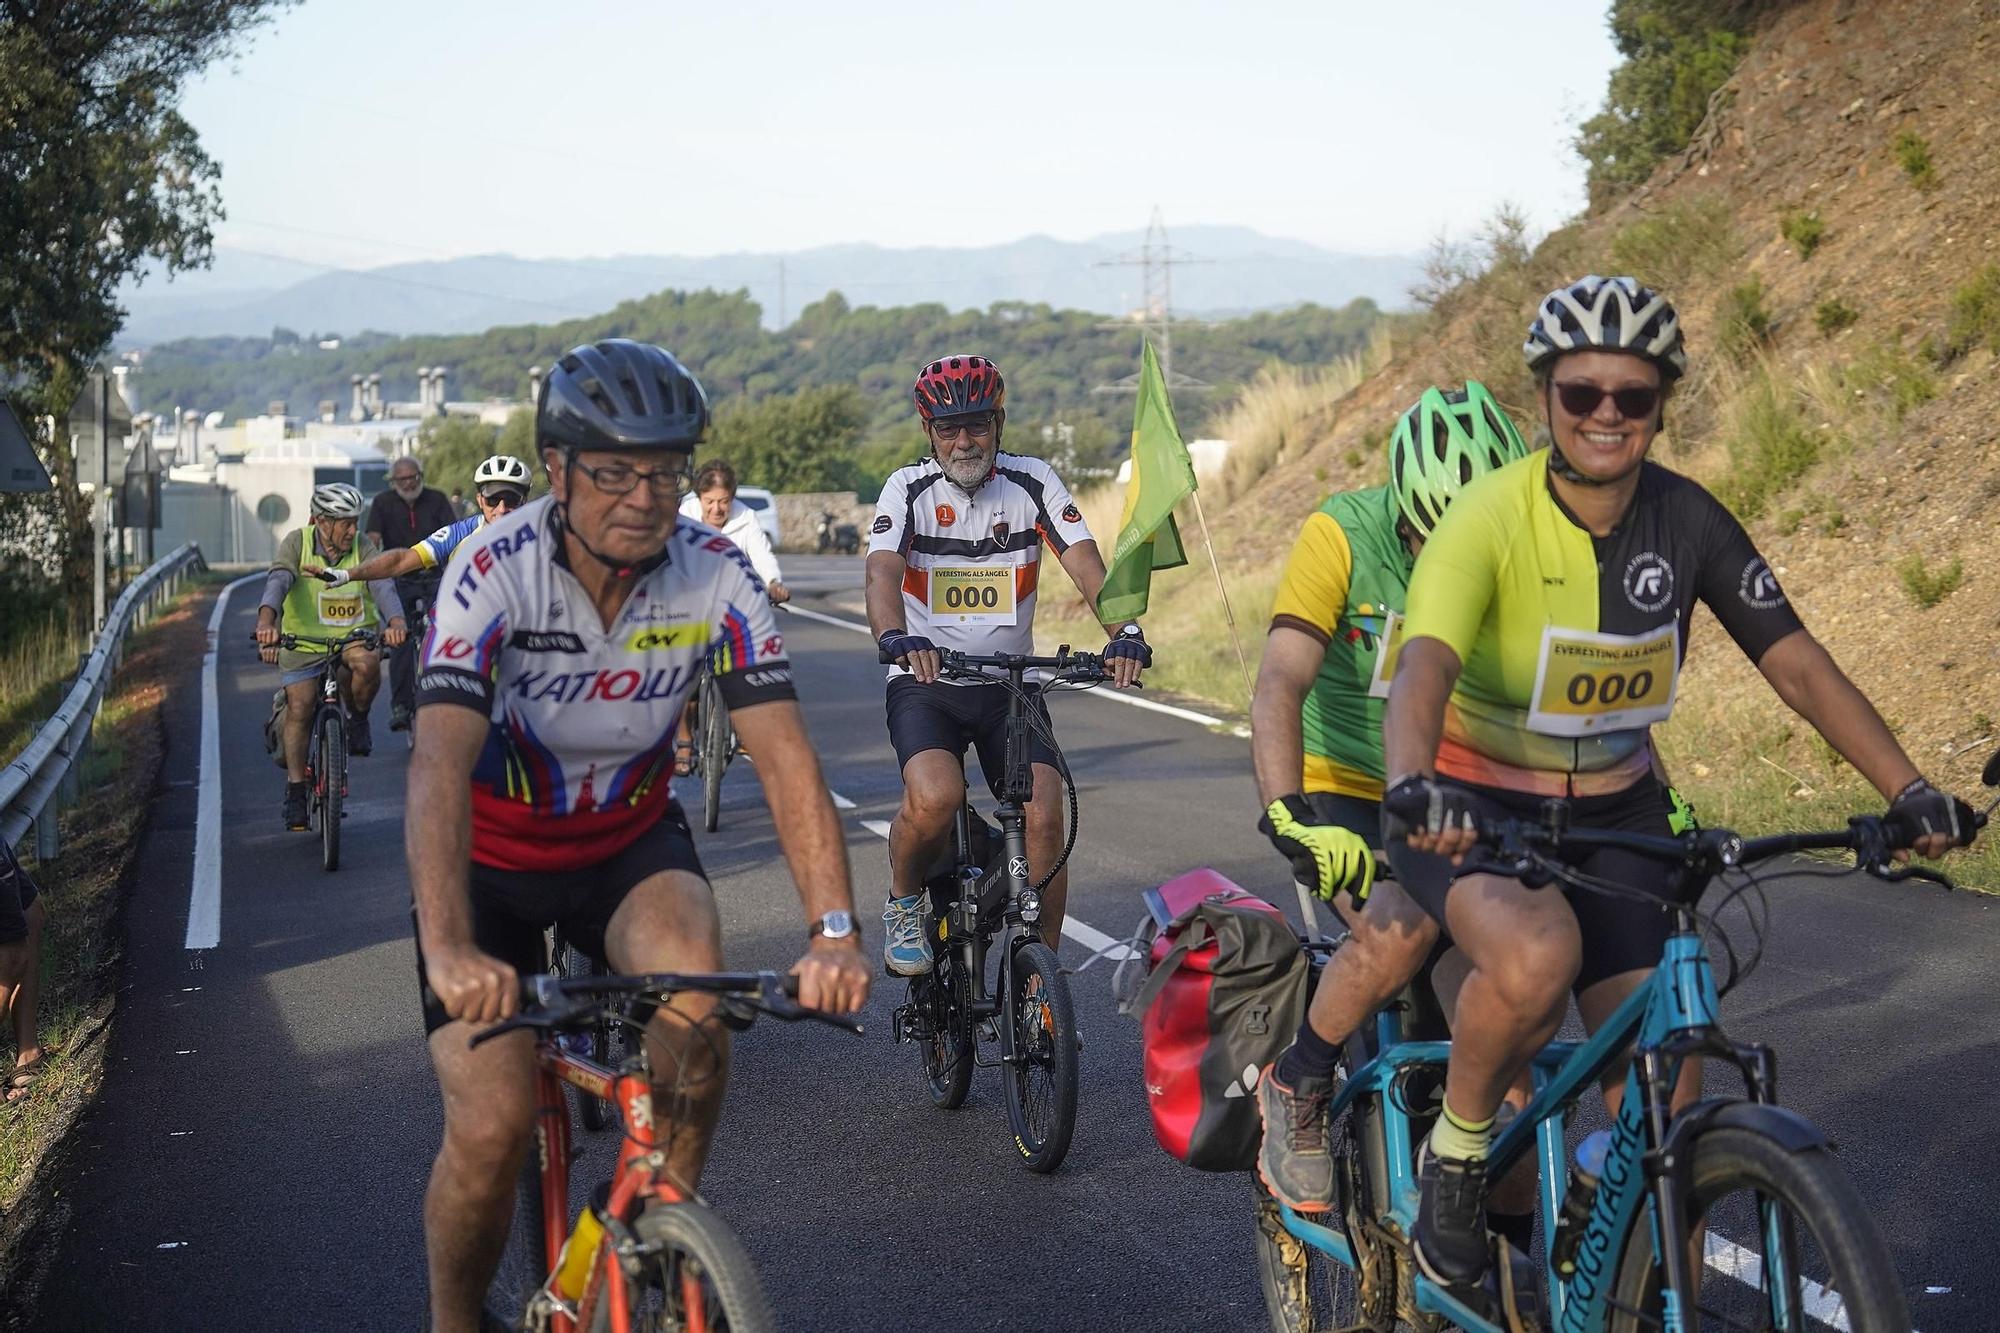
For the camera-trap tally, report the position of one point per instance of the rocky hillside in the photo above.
(1832, 237)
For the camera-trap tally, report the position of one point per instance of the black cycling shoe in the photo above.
(399, 719)
(360, 741)
(295, 806)
(1450, 1239)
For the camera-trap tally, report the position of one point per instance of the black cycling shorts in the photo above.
(1619, 933)
(950, 717)
(17, 894)
(512, 908)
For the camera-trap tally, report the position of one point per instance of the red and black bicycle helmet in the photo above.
(957, 386)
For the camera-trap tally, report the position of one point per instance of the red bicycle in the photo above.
(646, 1254)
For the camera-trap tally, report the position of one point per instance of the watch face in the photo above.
(836, 925)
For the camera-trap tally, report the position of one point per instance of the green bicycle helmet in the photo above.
(1445, 440)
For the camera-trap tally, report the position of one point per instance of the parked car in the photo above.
(760, 503)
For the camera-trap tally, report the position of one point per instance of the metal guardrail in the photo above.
(43, 778)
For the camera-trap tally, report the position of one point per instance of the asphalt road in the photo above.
(257, 1156)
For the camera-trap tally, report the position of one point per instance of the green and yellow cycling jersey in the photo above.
(1572, 644)
(1344, 585)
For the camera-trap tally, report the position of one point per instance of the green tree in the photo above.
(452, 448)
(103, 176)
(805, 441)
(1677, 53)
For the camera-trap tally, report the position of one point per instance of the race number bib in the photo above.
(972, 594)
(341, 607)
(1386, 649)
(1588, 683)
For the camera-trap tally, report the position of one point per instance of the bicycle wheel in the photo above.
(1041, 1086)
(716, 744)
(591, 1111)
(695, 1274)
(1753, 1196)
(1306, 1291)
(946, 1006)
(331, 774)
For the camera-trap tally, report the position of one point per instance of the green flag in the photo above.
(1162, 476)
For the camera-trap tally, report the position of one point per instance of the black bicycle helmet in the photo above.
(621, 394)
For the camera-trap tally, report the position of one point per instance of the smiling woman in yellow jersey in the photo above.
(1548, 619)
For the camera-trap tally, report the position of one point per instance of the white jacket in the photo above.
(748, 534)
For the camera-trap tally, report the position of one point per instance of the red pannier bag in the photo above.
(1225, 991)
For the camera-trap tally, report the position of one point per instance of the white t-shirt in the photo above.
(742, 528)
(975, 560)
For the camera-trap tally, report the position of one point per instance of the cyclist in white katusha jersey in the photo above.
(564, 642)
(954, 558)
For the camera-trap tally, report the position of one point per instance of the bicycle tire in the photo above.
(1045, 1036)
(591, 1112)
(524, 1264)
(680, 1234)
(1306, 1291)
(947, 1054)
(332, 774)
(1849, 1262)
(716, 744)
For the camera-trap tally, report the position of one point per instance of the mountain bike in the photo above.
(326, 741)
(1735, 1184)
(602, 1041)
(987, 893)
(647, 1254)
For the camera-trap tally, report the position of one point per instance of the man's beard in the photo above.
(966, 470)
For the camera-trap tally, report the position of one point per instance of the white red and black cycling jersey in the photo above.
(584, 717)
(974, 560)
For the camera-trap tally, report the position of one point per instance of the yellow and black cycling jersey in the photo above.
(1572, 644)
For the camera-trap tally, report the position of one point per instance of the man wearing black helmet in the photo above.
(564, 645)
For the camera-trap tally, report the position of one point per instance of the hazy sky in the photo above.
(362, 132)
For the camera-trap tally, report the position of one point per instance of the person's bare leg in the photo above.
(1387, 943)
(489, 1104)
(1515, 1191)
(1045, 844)
(933, 792)
(364, 677)
(23, 998)
(1524, 948)
(669, 924)
(301, 697)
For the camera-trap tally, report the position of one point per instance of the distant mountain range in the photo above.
(1242, 270)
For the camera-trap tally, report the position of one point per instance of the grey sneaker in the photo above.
(906, 945)
(1295, 1159)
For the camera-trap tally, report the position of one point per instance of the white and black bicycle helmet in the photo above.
(1607, 315)
(504, 468)
(336, 499)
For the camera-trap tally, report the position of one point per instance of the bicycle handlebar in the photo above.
(295, 641)
(1524, 847)
(550, 1002)
(1067, 664)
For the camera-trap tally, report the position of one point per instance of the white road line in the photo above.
(1746, 1267)
(1114, 696)
(839, 802)
(1089, 936)
(204, 928)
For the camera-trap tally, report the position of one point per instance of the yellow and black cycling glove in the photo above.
(1326, 858)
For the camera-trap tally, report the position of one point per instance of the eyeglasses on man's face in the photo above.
(666, 483)
(979, 428)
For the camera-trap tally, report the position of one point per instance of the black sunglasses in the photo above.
(1580, 399)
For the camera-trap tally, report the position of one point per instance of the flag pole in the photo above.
(1228, 615)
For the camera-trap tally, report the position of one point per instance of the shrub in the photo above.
(1975, 314)
(1914, 152)
(1803, 231)
(1771, 445)
(1743, 324)
(1833, 314)
(1677, 245)
(1892, 376)
(1677, 53)
(1927, 587)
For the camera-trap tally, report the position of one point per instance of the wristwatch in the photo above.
(835, 925)
(1130, 630)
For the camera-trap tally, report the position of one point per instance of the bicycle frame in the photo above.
(637, 1178)
(1673, 1015)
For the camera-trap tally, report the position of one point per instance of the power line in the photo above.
(1157, 259)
